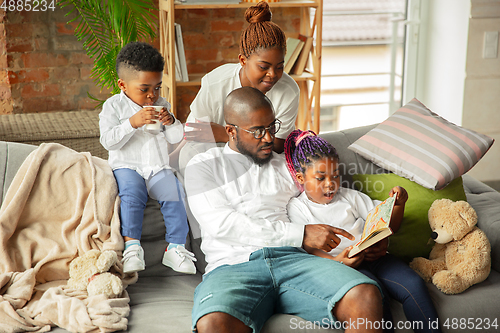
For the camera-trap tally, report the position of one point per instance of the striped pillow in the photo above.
(418, 144)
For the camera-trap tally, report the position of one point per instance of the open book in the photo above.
(376, 226)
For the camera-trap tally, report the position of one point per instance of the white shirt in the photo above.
(348, 210)
(240, 206)
(132, 148)
(216, 85)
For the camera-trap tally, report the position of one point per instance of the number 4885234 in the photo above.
(28, 5)
(471, 323)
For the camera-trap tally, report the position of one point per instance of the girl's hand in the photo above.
(166, 117)
(377, 250)
(205, 132)
(145, 116)
(401, 193)
(351, 262)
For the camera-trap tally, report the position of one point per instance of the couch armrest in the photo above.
(486, 202)
(12, 155)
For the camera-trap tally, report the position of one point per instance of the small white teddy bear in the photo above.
(89, 272)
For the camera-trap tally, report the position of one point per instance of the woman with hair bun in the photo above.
(261, 63)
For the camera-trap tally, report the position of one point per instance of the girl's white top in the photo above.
(348, 210)
(131, 148)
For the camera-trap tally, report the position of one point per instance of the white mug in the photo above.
(157, 124)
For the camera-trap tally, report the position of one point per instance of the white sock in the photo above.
(172, 245)
(132, 242)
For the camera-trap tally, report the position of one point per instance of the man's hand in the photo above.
(323, 237)
(377, 250)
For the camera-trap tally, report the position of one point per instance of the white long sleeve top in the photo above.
(348, 210)
(216, 85)
(132, 148)
(240, 206)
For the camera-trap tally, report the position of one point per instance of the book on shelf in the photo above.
(376, 226)
(181, 53)
(301, 63)
(294, 45)
(178, 73)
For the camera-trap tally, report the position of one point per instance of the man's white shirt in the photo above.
(239, 205)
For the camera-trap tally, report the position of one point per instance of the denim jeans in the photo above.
(403, 284)
(133, 193)
(276, 280)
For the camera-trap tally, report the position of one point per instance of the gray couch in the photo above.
(161, 300)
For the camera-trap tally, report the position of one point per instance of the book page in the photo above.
(378, 218)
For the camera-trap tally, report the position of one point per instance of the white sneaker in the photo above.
(133, 259)
(180, 260)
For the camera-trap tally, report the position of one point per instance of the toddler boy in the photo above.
(139, 157)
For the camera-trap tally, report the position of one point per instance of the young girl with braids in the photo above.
(314, 165)
(261, 63)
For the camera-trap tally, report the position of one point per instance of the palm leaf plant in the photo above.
(105, 26)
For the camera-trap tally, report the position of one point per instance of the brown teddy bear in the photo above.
(461, 255)
(89, 272)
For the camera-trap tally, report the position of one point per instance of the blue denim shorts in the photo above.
(276, 280)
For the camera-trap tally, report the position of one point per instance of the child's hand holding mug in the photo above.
(166, 118)
(148, 115)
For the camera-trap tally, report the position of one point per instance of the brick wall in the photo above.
(46, 67)
(5, 93)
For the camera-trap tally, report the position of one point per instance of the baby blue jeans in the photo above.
(134, 195)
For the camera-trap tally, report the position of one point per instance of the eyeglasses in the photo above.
(260, 132)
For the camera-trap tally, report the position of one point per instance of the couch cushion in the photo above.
(480, 303)
(420, 145)
(162, 304)
(412, 238)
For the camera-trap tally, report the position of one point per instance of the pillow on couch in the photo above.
(420, 145)
(412, 238)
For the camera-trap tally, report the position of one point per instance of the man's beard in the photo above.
(259, 161)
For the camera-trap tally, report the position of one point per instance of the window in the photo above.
(362, 61)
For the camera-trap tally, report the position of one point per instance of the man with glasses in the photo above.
(259, 133)
(255, 264)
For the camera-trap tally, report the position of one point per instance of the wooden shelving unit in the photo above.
(309, 82)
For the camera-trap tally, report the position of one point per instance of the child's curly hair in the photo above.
(303, 148)
(261, 33)
(139, 56)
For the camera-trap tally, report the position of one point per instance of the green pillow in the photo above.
(412, 238)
